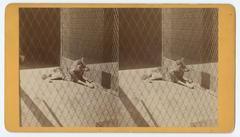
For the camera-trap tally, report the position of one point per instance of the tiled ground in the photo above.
(64, 103)
(167, 104)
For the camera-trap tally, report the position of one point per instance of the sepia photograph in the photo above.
(118, 67)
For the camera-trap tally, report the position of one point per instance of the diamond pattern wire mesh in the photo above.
(120, 46)
(150, 41)
(88, 33)
(39, 28)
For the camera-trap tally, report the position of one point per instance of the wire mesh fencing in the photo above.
(48, 95)
(154, 42)
(136, 73)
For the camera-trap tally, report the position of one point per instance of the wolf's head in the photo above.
(181, 65)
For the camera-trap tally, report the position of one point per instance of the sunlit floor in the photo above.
(139, 103)
(166, 104)
(67, 104)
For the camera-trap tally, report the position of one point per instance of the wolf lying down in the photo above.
(174, 73)
(74, 74)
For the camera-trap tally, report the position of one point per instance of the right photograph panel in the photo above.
(168, 62)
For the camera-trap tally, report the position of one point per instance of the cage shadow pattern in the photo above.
(125, 50)
(185, 33)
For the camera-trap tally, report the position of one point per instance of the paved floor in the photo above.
(166, 104)
(64, 103)
(67, 104)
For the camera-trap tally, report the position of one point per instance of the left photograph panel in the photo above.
(69, 68)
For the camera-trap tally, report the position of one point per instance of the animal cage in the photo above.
(119, 46)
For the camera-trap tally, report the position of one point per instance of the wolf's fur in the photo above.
(173, 73)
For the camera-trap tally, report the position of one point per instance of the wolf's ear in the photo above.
(182, 59)
(82, 59)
